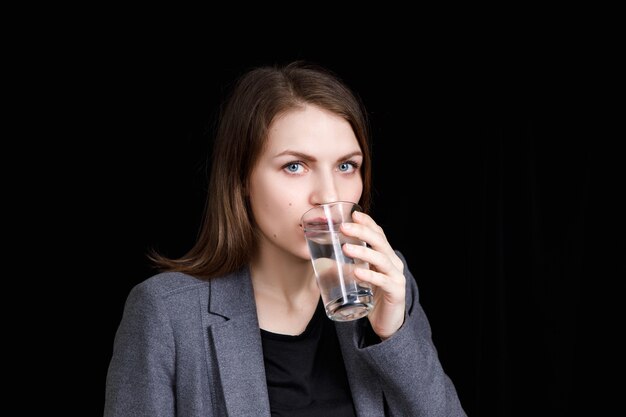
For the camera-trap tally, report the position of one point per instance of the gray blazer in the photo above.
(187, 347)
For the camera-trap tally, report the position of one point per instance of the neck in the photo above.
(285, 290)
(282, 274)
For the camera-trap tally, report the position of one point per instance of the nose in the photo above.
(325, 189)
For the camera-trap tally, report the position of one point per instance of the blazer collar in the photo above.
(237, 345)
(239, 352)
(232, 295)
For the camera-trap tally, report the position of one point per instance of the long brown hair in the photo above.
(227, 238)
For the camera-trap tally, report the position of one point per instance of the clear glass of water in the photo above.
(344, 297)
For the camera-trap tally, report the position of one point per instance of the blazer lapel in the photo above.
(237, 345)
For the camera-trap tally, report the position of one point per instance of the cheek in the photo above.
(276, 209)
(352, 190)
(262, 193)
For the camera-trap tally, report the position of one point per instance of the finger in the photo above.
(377, 260)
(366, 220)
(377, 242)
(368, 232)
(394, 290)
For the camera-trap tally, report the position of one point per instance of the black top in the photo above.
(306, 376)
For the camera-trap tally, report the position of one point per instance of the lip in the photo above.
(318, 224)
(322, 222)
(317, 220)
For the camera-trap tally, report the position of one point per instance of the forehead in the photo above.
(310, 127)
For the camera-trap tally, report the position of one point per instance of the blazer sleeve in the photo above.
(140, 378)
(413, 380)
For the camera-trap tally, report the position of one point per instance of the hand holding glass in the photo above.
(344, 297)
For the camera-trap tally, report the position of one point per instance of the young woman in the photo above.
(236, 326)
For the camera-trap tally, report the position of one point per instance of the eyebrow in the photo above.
(301, 155)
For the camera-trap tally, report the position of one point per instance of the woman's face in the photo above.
(311, 157)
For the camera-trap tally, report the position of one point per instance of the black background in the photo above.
(494, 173)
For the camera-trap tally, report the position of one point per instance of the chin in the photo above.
(299, 252)
(304, 254)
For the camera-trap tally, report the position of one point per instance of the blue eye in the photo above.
(293, 167)
(348, 166)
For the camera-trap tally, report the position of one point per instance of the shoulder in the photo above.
(166, 285)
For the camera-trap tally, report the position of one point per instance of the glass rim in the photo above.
(356, 207)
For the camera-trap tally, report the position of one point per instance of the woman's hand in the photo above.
(385, 273)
